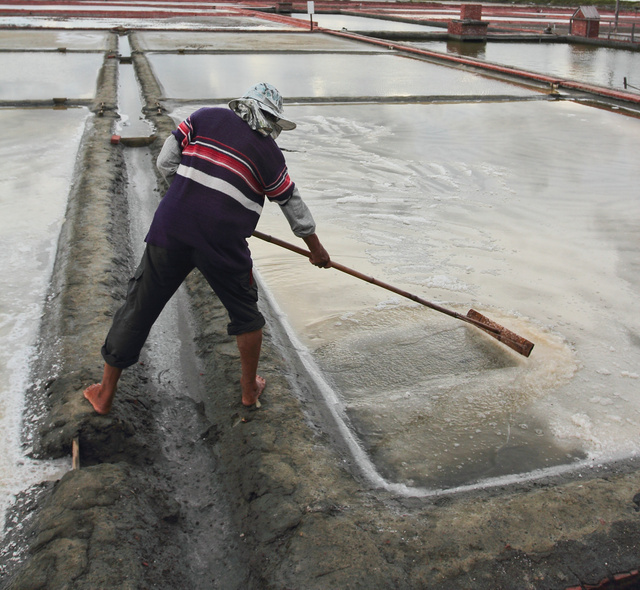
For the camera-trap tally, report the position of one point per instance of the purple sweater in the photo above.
(215, 200)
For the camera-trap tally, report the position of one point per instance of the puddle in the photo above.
(132, 122)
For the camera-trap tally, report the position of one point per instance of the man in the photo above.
(221, 163)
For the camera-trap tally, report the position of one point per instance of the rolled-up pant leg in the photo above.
(238, 293)
(156, 279)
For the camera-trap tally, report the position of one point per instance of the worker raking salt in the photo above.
(221, 163)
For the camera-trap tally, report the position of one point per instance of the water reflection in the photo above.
(476, 50)
(132, 122)
(584, 63)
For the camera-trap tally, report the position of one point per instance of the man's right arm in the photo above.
(319, 256)
(303, 226)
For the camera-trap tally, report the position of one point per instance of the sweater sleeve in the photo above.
(170, 157)
(298, 215)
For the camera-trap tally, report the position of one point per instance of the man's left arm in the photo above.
(169, 158)
(319, 256)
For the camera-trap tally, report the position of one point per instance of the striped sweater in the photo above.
(215, 200)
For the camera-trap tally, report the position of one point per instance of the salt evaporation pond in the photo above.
(361, 23)
(42, 39)
(178, 22)
(38, 149)
(476, 205)
(585, 63)
(43, 76)
(319, 75)
(472, 205)
(512, 209)
(240, 41)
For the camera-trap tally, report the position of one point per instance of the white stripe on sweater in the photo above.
(219, 185)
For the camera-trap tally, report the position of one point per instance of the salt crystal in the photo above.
(630, 375)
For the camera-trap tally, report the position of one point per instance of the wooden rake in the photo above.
(507, 337)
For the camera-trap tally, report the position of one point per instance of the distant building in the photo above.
(470, 26)
(585, 22)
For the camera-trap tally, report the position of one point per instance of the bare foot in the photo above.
(251, 394)
(99, 400)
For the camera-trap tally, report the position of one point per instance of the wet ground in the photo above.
(181, 466)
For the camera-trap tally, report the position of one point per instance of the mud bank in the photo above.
(164, 478)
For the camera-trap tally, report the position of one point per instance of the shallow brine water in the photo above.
(319, 76)
(361, 23)
(527, 212)
(243, 41)
(131, 122)
(585, 63)
(177, 22)
(42, 39)
(44, 76)
(33, 200)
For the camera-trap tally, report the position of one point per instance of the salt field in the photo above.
(60, 39)
(186, 23)
(360, 23)
(471, 206)
(400, 175)
(451, 202)
(396, 446)
(512, 223)
(38, 76)
(592, 65)
(243, 41)
(319, 76)
(32, 203)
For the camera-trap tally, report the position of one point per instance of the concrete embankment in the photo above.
(137, 512)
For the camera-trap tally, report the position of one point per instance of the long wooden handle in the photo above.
(374, 281)
(512, 340)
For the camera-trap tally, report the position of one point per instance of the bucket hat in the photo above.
(270, 101)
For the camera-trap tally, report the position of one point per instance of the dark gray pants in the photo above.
(156, 279)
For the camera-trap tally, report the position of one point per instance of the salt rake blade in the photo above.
(500, 333)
